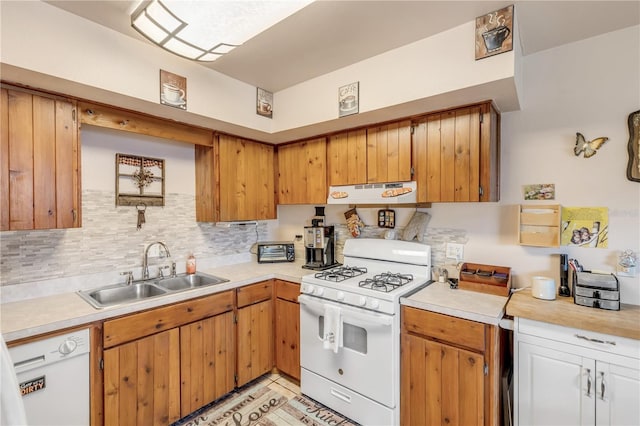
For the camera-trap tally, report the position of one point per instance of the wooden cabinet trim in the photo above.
(254, 293)
(135, 326)
(121, 119)
(444, 328)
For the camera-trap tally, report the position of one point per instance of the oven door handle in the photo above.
(368, 317)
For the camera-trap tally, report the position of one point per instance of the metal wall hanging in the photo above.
(139, 181)
(173, 90)
(633, 167)
(589, 148)
(349, 99)
(264, 103)
(494, 33)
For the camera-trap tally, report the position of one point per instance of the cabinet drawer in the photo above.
(254, 293)
(287, 290)
(135, 326)
(444, 328)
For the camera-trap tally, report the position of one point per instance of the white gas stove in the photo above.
(376, 273)
(350, 327)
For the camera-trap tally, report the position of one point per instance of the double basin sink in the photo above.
(120, 294)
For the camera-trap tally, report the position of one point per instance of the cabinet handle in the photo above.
(602, 385)
(588, 373)
(589, 339)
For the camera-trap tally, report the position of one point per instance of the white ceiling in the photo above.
(331, 34)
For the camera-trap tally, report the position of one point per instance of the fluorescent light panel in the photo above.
(205, 30)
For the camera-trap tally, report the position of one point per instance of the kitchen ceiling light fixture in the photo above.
(205, 30)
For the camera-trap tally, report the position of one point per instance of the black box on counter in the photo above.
(596, 290)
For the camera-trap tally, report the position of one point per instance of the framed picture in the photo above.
(139, 180)
(348, 99)
(173, 90)
(494, 33)
(633, 166)
(264, 103)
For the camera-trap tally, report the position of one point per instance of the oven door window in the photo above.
(353, 336)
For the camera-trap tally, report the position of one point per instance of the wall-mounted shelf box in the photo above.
(539, 225)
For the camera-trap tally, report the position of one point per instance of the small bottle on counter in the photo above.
(191, 264)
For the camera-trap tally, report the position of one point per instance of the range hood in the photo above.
(374, 193)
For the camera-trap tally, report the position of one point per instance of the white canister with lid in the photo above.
(543, 288)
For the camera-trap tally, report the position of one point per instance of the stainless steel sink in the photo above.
(185, 282)
(121, 293)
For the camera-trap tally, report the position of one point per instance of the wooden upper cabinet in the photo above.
(39, 162)
(302, 172)
(389, 153)
(456, 155)
(235, 180)
(347, 158)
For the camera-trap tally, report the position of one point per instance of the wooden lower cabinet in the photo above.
(287, 328)
(206, 361)
(254, 331)
(142, 381)
(450, 370)
(162, 364)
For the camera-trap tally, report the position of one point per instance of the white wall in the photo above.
(589, 87)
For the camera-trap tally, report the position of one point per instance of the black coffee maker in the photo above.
(319, 247)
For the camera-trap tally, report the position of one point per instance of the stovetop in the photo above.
(386, 281)
(341, 273)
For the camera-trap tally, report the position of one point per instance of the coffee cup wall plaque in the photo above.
(173, 90)
(494, 33)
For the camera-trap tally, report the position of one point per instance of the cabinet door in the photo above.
(39, 166)
(302, 172)
(347, 158)
(456, 155)
(554, 387)
(617, 391)
(389, 153)
(142, 381)
(246, 180)
(255, 341)
(207, 361)
(440, 384)
(287, 330)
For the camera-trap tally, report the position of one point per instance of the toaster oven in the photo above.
(276, 251)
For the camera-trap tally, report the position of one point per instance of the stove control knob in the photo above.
(375, 304)
(308, 289)
(362, 301)
(340, 295)
(320, 291)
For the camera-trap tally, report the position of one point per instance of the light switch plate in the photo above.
(455, 251)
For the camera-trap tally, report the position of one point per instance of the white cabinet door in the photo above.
(617, 395)
(554, 387)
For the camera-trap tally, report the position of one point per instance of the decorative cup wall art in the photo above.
(173, 90)
(348, 99)
(264, 103)
(494, 33)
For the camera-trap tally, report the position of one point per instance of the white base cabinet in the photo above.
(566, 376)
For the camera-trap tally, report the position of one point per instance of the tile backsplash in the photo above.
(109, 240)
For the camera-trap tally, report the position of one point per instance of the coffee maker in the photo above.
(319, 247)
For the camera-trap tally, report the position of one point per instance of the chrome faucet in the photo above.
(145, 261)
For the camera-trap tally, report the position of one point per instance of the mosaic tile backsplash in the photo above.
(109, 240)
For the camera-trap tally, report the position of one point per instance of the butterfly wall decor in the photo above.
(588, 147)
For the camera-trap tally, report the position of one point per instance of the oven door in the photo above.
(367, 363)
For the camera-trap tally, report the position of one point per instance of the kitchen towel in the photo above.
(332, 338)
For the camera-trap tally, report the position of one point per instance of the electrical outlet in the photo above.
(455, 251)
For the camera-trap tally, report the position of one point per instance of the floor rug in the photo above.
(262, 405)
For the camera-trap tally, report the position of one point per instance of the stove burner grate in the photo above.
(341, 273)
(386, 282)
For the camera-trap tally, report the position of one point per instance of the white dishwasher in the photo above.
(53, 374)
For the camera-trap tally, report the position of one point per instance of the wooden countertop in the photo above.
(562, 311)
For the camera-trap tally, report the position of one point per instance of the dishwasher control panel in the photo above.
(49, 350)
